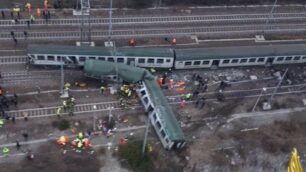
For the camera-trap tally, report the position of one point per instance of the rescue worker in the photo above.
(32, 18)
(121, 102)
(220, 96)
(25, 136)
(58, 112)
(5, 151)
(65, 104)
(188, 96)
(28, 24)
(3, 14)
(38, 12)
(45, 5)
(25, 33)
(67, 87)
(72, 100)
(102, 89)
(80, 135)
(13, 34)
(17, 145)
(1, 122)
(29, 7)
(195, 94)
(79, 145)
(25, 116)
(30, 155)
(152, 70)
(129, 93)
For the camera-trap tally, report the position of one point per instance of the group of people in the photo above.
(68, 105)
(4, 105)
(79, 143)
(15, 16)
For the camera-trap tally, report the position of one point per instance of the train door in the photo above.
(131, 61)
(270, 61)
(215, 63)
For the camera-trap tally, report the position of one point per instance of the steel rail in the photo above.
(156, 32)
(105, 106)
(157, 20)
(13, 60)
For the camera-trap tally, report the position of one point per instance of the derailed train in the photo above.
(155, 103)
(259, 55)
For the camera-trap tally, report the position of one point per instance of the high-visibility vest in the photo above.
(32, 17)
(80, 135)
(188, 96)
(79, 144)
(64, 103)
(38, 12)
(58, 111)
(129, 93)
(16, 10)
(1, 122)
(5, 150)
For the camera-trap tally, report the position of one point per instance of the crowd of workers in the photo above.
(16, 16)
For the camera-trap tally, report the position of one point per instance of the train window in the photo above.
(102, 58)
(40, 57)
(92, 58)
(160, 60)
(243, 60)
(296, 58)
(141, 60)
(146, 100)
(51, 58)
(196, 62)
(280, 58)
(252, 60)
(110, 59)
(235, 61)
(187, 63)
(261, 59)
(120, 60)
(288, 58)
(158, 124)
(58, 58)
(150, 60)
(225, 61)
(168, 60)
(154, 116)
(82, 59)
(304, 57)
(163, 133)
(167, 140)
(205, 62)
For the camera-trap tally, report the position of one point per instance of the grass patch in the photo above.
(61, 125)
(131, 153)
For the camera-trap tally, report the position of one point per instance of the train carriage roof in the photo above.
(100, 51)
(239, 52)
(96, 68)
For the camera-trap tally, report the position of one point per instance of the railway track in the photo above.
(162, 32)
(105, 106)
(11, 78)
(162, 19)
(13, 60)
